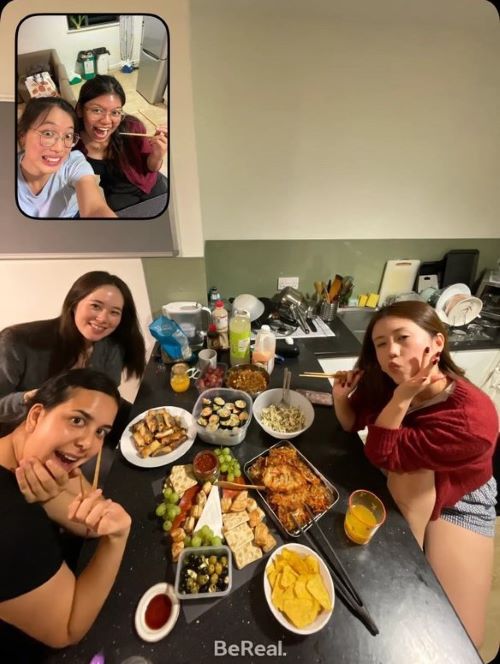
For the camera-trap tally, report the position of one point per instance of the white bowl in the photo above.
(323, 616)
(250, 303)
(145, 632)
(274, 396)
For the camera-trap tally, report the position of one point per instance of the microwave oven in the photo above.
(489, 293)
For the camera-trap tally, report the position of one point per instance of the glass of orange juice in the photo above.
(179, 377)
(365, 514)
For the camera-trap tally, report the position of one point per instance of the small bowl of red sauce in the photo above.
(206, 466)
(157, 612)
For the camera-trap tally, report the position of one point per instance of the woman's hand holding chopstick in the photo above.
(159, 146)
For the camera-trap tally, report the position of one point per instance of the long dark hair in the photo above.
(36, 111)
(58, 389)
(102, 84)
(375, 386)
(127, 334)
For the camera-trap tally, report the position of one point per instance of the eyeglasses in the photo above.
(96, 112)
(49, 138)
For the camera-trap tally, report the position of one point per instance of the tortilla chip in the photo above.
(317, 589)
(301, 612)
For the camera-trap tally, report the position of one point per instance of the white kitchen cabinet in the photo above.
(482, 367)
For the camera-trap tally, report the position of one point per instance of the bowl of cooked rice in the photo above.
(279, 421)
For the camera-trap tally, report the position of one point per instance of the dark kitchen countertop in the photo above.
(416, 622)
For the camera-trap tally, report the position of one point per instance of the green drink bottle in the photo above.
(239, 337)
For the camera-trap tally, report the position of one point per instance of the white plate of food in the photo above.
(158, 436)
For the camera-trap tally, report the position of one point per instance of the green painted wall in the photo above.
(171, 279)
(254, 266)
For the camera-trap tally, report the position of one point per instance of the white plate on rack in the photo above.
(129, 450)
(450, 291)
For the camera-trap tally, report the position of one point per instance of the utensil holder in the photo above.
(327, 310)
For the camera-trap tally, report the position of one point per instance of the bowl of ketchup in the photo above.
(157, 612)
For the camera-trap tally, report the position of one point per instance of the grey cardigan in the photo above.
(25, 353)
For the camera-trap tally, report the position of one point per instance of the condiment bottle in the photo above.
(265, 349)
(213, 337)
(220, 318)
(239, 337)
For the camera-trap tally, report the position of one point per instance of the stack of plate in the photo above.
(454, 305)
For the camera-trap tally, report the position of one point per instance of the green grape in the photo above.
(218, 451)
(223, 468)
(167, 492)
(171, 512)
(226, 450)
(167, 525)
(237, 472)
(230, 477)
(161, 509)
(177, 509)
(196, 541)
(227, 459)
(205, 531)
(215, 541)
(187, 541)
(173, 498)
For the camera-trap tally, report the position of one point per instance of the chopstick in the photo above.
(341, 570)
(82, 488)
(320, 374)
(340, 588)
(148, 118)
(95, 481)
(224, 484)
(129, 133)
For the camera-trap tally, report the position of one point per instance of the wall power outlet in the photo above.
(283, 282)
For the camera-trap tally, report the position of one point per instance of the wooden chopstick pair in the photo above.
(224, 484)
(321, 374)
(130, 133)
(344, 587)
(95, 480)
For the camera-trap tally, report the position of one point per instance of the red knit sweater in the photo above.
(455, 438)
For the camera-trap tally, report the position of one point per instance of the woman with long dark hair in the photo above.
(52, 180)
(62, 426)
(97, 328)
(128, 166)
(435, 434)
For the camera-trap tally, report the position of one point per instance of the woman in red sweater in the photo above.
(435, 435)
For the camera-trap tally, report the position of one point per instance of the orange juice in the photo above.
(179, 378)
(360, 524)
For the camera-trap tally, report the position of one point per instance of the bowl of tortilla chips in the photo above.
(299, 589)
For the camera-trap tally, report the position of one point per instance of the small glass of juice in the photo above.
(179, 377)
(365, 514)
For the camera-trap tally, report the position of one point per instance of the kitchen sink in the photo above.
(356, 320)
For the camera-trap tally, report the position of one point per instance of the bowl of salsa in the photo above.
(206, 466)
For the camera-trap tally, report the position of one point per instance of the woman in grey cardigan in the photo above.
(97, 328)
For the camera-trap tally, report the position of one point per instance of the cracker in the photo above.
(255, 517)
(234, 519)
(238, 536)
(182, 478)
(240, 502)
(245, 554)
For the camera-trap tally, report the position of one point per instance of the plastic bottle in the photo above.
(265, 349)
(220, 318)
(213, 337)
(239, 337)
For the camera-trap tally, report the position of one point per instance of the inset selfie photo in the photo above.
(92, 116)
